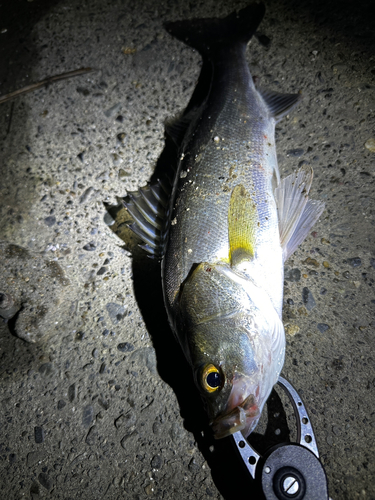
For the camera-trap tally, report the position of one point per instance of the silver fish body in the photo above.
(231, 224)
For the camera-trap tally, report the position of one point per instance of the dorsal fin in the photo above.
(149, 207)
(297, 214)
(279, 104)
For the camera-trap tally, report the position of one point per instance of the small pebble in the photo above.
(370, 144)
(125, 347)
(86, 195)
(82, 90)
(50, 221)
(308, 299)
(149, 490)
(92, 436)
(145, 357)
(81, 156)
(156, 428)
(45, 481)
(90, 247)
(322, 327)
(193, 465)
(311, 262)
(156, 462)
(123, 173)
(293, 275)
(61, 404)
(176, 432)
(38, 434)
(72, 392)
(116, 312)
(87, 416)
(103, 176)
(46, 370)
(355, 262)
(121, 137)
(80, 336)
(295, 152)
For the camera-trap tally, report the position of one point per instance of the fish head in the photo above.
(235, 343)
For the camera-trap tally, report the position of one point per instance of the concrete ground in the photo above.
(103, 405)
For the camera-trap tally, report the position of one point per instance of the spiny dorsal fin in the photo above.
(297, 214)
(279, 104)
(242, 224)
(149, 208)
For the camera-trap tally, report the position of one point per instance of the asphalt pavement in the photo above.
(96, 399)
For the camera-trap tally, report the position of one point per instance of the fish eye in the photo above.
(211, 378)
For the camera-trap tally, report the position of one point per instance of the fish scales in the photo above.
(237, 148)
(229, 226)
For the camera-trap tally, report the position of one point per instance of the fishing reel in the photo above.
(288, 471)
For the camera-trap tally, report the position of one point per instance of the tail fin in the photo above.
(206, 35)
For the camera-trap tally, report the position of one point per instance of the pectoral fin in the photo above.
(297, 214)
(242, 224)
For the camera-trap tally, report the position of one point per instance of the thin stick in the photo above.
(10, 117)
(35, 86)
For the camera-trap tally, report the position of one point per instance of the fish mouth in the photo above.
(243, 417)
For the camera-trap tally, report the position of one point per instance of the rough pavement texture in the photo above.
(106, 407)
(34, 292)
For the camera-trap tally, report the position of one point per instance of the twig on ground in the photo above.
(35, 86)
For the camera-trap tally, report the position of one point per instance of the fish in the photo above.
(222, 222)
